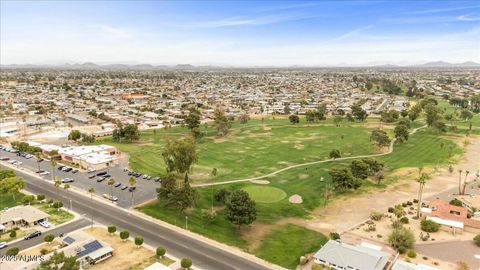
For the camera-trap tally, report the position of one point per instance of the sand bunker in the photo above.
(261, 182)
(295, 199)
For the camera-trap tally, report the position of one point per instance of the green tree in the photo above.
(49, 238)
(422, 180)
(160, 252)
(401, 133)
(132, 181)
(432, 113)
(337, 120)
(186, 263)
(124, 235)
(74, 135)
(13, 234)
(179, 155)
(58, 261)
(221, 121)
(429, 226)
(208, 215)
(359, 113)
(343, 179)
(6, 174)
(401, 239)
(111, 229)
(91, 190)
(321, 111)
(110, 183)
(193, 118)
(12, 251)
(294, 119)
(334, 154)
(138, 241)
(359, 169)
(476, 239)
(310, 116)
(240, 209)
(12, 185)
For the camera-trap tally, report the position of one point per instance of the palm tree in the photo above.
(54, 165)
(421, 180)
(111, 182)
(459, 182)
(465, 182)
(327, 194)
(57, 183)
(91, 190)
(37, 156)
(132, 181)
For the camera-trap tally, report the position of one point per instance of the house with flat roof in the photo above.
(338, 255)
(403, 265)
(23, 215)
(85, 248)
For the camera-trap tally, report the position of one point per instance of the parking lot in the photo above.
(145, 189)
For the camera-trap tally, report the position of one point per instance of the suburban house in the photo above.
(21, 216)
(403, 265)
(338, 255)
(86, 248)
(157, 266)
(451, 217)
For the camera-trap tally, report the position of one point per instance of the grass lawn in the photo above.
(287, 243)
(265, 194)
(10, 200)
(251, 149)
(56, 216)
(5, 237)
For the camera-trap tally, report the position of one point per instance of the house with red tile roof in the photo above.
(450, 217)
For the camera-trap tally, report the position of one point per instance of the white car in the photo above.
(45, 224)
(91, 170)
(44, 173)
(67, 180)
(3, 245)
(13, 161)
(111, 198)
(18, 163)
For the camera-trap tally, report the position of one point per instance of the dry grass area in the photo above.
(125, 256)
(421, 259)
(36, 250)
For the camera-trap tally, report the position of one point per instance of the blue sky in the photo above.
(240, 33)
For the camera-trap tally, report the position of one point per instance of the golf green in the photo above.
(265, 194)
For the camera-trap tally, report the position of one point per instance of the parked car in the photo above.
(40, 171)
(3, 245)
(117, 185)
(145, 176)
(75, 171)
(101, 179)
(45, 224)
(101, 173)
(32, 235)
(124, 187)
(44, 173)
(61, 168)
(111, 198)
(92, 176)
(28, 156)
(156, 179)
(40, 160)
(67, 180)
(91, 170)
(5, 158)
(66, 169)
(13, 161)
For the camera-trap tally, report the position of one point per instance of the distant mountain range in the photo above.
(93, 66)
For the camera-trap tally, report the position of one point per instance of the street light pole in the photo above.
(186, 223)
(71, 205)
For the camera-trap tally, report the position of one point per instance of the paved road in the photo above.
(145, 188)
(72, 226)
(452, 251)
(204, 255)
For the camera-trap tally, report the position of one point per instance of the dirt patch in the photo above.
(299, 146)
(296, 199)
(261, 182)
(125, 255)
(266, 128)
(36, 250)
(303, 176)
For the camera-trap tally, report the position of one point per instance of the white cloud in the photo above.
(246, 21)
(114, 31)
(440, 10)
(468, 17)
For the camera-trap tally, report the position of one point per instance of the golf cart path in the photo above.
(390, 150)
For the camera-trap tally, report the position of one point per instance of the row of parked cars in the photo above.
(145, 176)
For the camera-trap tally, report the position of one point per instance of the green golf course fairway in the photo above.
(265, 194)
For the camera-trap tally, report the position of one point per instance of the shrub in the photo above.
(43, 251)
(317, 267)
(124, 235)
(391, 209)
(49, 238)
(456, 202)
(409, 203)
(13, 234)
(138, 241)
(303, 260)
(221, 195)
(429, 226)
(404, 220)
(186, 263)
(424, 237)
(12, 251)
(412, 254)
(377, 216)
(50, 201)
(58, 204)
(334, 235)
(415, 201)
(111, 229)
(40, 197)
(160, 252)
(476, 239)
(401, 239)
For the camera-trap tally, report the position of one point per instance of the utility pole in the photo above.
(186, 223)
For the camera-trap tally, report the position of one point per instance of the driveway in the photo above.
(452, 251)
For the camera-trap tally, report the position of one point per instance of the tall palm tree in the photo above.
(465, 182)
(54, 165)
(421, 180)
(57, 183)
(132, 181)
(91, 190)
(459, 182)
(111, 182)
